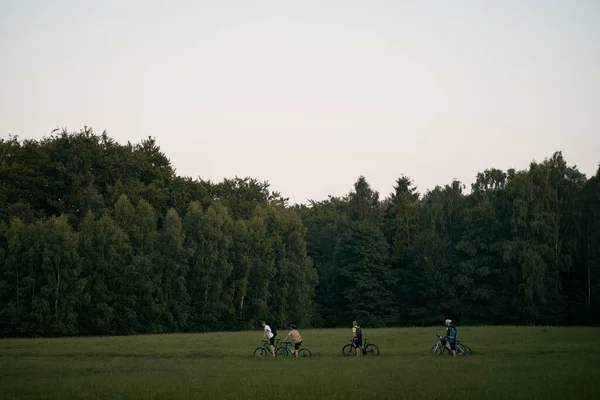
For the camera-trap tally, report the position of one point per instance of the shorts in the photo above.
(272, 341)
(357, 342)
(452, 345)
(297, 345)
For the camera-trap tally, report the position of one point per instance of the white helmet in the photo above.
(448, 321)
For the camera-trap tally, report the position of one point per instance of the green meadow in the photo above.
(507, 363)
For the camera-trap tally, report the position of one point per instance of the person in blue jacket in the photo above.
(451, 336)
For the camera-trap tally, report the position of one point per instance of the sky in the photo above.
(309, 95)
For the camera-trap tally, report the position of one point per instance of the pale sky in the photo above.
(311, 94)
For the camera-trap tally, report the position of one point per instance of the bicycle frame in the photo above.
(265, 349)
(362, 348)
(366, 348)
(288, 347)
(443, 344)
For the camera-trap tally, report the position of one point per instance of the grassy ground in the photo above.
(507, 363)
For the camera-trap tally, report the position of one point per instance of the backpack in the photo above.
(273, 331)
(358, 332)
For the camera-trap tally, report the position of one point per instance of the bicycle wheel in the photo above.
(281, 352)
(440, 350)
(434, 348)
(464, 350)
(304, 353)
(260, 353)
(371, 350)
(348, 350)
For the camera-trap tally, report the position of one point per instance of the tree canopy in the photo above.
(102, 238)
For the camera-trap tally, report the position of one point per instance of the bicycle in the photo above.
(441, 347)
(264, 351)
(284, 351)
(367, 349)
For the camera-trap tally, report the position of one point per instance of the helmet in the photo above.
(448, 321)
(293, 326)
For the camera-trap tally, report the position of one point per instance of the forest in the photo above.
(102, 238)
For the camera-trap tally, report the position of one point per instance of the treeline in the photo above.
(102, 238)
(523, 247)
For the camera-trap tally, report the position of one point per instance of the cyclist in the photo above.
(357, 337)
(451, 336)
(296, 338)
(269, 334)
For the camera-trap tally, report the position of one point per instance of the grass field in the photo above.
(507, 363)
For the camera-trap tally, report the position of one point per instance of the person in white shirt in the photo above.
(269, 334)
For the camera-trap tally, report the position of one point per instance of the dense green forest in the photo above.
(100, 238)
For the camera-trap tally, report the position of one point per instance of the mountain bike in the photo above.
(442, 346)
(287, 349)
(264, 351)
(367, 349)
